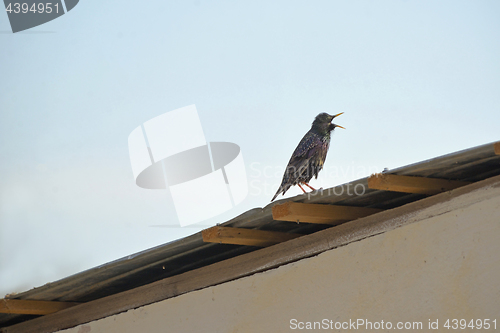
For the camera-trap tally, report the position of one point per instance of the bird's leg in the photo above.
(301, 188)
(312, 188)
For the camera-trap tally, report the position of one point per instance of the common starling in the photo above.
(308, 158)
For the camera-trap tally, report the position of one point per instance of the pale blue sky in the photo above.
(416, 79)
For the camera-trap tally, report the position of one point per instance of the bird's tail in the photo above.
(282, 189)
(278, 192)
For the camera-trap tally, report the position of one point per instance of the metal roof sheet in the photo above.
(191, 252)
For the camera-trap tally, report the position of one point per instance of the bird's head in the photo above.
(323, 123)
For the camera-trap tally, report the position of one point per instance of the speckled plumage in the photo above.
(308, 158)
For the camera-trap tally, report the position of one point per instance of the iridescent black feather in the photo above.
(309, 157)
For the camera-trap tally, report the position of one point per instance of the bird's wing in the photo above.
(309, 151)
(306, 147)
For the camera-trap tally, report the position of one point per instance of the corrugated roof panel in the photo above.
(191, 252)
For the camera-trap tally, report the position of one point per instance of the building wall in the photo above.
(444, 266)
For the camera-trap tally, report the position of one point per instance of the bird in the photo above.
(308, 158)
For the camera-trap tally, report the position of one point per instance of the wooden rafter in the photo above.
(240, 236)
(497, 148)
(21, 306)
(322, 214)
(411, 184)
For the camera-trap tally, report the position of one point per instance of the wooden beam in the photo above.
(497, 148)
(21, 306)
(322, 214)
(240, 236)
(411, 184)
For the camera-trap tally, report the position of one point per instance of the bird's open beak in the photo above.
(338, 114)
